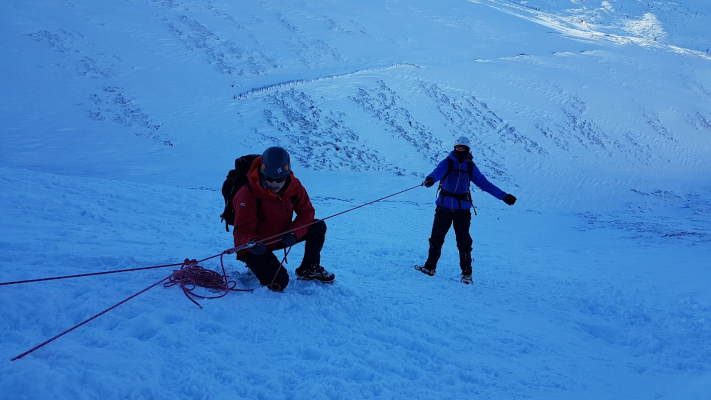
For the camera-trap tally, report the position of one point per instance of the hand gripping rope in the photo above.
(189, 276)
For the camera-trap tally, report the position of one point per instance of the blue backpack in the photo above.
(459, 196)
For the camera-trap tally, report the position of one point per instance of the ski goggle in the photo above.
(277, 180)
(460, 147)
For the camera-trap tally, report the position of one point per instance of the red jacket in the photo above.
(277, 210)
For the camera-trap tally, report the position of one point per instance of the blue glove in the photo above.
(288, 240)
(259, 248)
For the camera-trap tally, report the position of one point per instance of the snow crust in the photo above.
(119, 121)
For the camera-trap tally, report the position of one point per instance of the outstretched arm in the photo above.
(480, 180)
(437, 174)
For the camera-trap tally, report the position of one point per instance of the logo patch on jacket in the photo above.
(242, 204)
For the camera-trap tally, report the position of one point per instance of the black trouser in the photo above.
(444, 218)
(268, 269)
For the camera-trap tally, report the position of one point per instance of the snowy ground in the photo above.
(564, 305)
(118, 122)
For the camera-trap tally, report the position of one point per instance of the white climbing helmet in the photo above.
(463, 141)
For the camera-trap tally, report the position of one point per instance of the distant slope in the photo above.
(173, 91)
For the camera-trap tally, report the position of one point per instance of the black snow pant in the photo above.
(444, 218)
(268, 269)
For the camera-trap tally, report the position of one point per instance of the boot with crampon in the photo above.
(314, 273)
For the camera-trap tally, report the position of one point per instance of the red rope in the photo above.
(195, 277)
(90, 319)
(275, 286)
(267, 241)
(90, 274)
(334, 215)
(276, 238)
(229, 251)
(190, 276)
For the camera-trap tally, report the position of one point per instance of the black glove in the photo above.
(288, 240)
(429, 181)
(509, 199)
(258, 248)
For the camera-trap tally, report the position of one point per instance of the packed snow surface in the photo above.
(119, 121)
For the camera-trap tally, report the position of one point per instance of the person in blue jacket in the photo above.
(454, 205)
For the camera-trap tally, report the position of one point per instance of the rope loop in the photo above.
(191, 275)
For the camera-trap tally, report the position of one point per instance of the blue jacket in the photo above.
(458, 182)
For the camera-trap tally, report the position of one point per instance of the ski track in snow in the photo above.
(282, 85)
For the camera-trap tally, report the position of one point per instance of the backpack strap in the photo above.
(258, 200)
(450, 166)
(260, 214)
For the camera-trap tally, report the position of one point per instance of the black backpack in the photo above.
(236, 178)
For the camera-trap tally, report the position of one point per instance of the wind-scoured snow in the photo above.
(119, 121)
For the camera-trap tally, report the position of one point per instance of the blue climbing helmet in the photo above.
(276, 163)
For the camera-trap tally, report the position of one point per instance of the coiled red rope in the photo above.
(189, 276)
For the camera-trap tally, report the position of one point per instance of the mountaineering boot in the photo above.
(426, 270)
(314, 273)
(430, 266)
(467, 277)
(465, 262)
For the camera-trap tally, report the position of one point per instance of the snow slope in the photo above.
(119, 121)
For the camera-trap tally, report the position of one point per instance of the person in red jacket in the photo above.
(264, 208)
